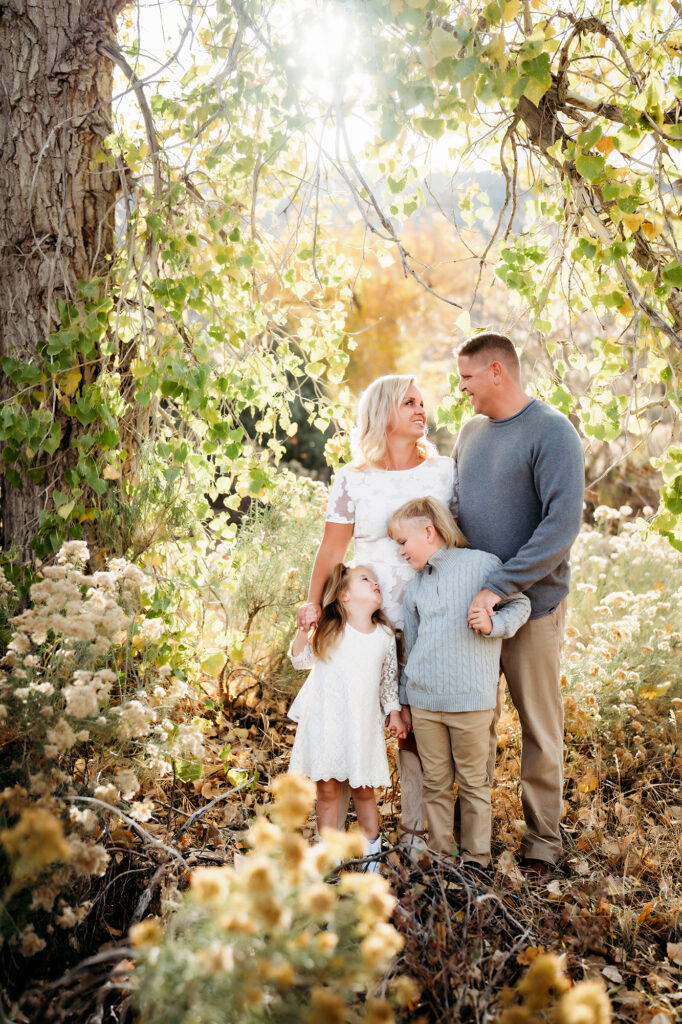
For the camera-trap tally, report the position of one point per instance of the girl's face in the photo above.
(362, 589)
(417, 541)
(409, 419)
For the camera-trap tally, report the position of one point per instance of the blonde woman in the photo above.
(392, 462)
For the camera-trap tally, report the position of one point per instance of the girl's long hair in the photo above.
(333, 618)
(375, 407)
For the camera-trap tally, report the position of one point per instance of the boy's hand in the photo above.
(480, 621)
(406, 716)
(396, 725)
(485, 599)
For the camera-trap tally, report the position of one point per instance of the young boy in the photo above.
(450, 677)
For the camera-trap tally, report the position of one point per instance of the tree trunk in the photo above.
(57, 210)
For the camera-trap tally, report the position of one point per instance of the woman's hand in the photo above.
(308, 615)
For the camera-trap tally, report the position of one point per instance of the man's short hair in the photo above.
(493, 345)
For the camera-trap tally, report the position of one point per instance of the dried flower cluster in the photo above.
(65, 698)
(273, 935)
(544, 994)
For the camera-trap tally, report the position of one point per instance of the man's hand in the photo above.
(485, 600)
(308, 615)
(480, 620)
(406, 716)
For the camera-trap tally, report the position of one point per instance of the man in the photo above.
(521, 482)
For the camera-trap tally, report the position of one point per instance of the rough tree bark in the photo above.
(57, 205)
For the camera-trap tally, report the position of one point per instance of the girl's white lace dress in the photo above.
(368, 497)
(341, 707)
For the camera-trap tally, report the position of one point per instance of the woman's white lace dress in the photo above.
(341, 707)
(367, 498)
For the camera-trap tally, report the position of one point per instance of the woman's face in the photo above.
(409, 419)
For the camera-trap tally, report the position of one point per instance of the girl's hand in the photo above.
(396, 725)
(308, 615)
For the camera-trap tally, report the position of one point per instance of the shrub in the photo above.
(271, 939)
(82, 699)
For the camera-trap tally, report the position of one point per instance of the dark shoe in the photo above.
(536, 870)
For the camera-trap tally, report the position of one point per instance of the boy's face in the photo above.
(416, 546)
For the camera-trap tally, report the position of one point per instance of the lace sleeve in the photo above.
(388, 685)
(306, 659)
(341, 507)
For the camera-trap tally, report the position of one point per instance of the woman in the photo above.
(392, 463)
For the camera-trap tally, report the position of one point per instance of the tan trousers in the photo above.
(530, 662)
(449, 741)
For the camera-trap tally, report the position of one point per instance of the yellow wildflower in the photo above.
(294, 798)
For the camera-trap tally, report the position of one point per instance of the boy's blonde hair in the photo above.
(433, 511)
(333, 618)
(375, 407)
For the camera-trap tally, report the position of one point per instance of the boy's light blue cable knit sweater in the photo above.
(449, 666)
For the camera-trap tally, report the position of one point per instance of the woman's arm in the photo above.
(332, 550)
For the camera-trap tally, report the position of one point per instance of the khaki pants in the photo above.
(450, 740)
(530, 662)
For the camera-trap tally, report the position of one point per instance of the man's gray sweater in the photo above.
(521, 486)
(451, 667)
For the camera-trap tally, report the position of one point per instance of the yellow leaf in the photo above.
(626, 309)
(69, 383)
(645, 911)
(111, 473)
(463, 321)
(214, 663)
(632, 221)
(510, 10)
(604, 145)
(655, 691)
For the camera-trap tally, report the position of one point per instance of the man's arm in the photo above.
(559, 477)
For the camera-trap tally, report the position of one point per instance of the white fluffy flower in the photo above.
(127, 783)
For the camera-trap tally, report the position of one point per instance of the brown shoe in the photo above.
(536, 870)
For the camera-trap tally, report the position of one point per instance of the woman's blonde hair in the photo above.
(376, 405)
(430, 510)
(333, 618)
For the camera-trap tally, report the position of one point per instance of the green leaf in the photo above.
(214, 663)
(672, 274)
(188, 771)
(432, 126)
(591, 167)
(588, 139)
(675, 83)
(444, 43)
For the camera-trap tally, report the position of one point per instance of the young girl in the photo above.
(341, 707)
(450, 678)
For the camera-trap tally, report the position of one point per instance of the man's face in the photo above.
(476, 380)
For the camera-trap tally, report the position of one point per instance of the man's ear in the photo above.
(498, 371)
